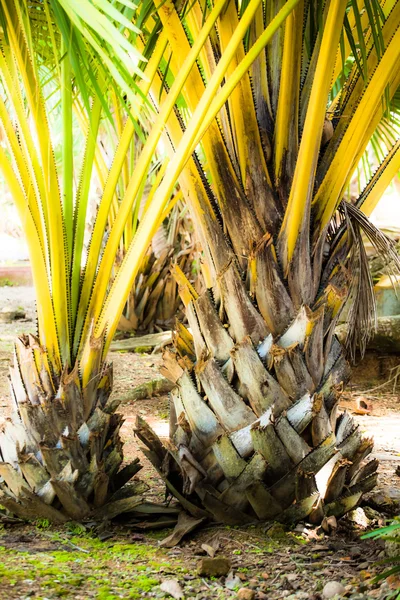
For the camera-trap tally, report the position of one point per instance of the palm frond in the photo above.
(347, 248)
(100, 41)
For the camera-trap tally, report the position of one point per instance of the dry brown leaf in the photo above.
(172, 587)
(185, 525)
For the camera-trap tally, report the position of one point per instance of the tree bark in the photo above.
(255, 431)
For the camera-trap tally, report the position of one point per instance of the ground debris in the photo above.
(185, 525)
(211, 546)
(152, 388)
(9, 314)
(246, 594)
(172, 588)
(363, 406)
(329, 524)
(214, 567)
(232, 581)
(386, 499)
(358, 517)
(332, 589)
(144, 342)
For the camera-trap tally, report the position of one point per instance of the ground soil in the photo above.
(109, 561)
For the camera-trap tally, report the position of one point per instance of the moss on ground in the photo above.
(86, 568)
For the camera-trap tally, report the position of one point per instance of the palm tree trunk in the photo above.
(61, 450)
(255, 431)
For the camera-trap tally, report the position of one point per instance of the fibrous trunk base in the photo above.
(255, 431)
(61, 451)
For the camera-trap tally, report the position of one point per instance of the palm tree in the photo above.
(61, 452)
(276, 128)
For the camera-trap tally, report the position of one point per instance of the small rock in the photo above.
(372, 514)
(262, 596)
(291, 576)
(394, 494)
(265, 575)
(246, 594)
(387, 497)
(8, 314)
(332, 589)
(214, 567)
(355, 551)
(363, 565)
(358, 517)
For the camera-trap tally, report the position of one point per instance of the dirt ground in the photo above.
(110, 561)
